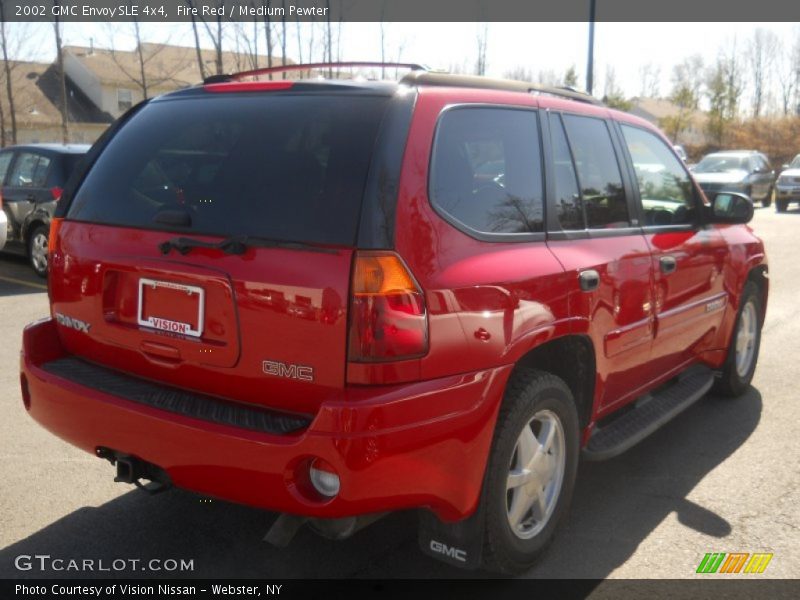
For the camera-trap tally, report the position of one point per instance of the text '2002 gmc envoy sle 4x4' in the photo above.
(335, 299)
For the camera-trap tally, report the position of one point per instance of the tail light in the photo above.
(388, 320)
(56, 193)
(52, 238)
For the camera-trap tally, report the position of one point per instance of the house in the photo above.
(660, 112)
(102, 84)
(113, 79)
(37, 101)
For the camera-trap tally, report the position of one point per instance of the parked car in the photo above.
(33, 177)
(492, 283)
(787, 189)
(743, 171)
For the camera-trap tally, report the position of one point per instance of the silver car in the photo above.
(787, 188)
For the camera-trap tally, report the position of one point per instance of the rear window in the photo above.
(282, 167)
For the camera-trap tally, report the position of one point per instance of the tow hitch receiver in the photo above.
(131, 469)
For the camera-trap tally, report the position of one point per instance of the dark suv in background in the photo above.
(743, 171)
(33, 178)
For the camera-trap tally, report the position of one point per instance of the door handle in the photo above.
(668, 264)
(589, 280)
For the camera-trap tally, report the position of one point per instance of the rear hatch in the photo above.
(210, 245)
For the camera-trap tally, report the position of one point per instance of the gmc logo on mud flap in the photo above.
(281, 369)
(73, 323)
(451, 551)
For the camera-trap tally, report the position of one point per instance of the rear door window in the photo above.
(604, 203)
(278, 166)
(29, 170)
(486, 173)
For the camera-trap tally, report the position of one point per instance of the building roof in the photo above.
(167, 67)
(37, 97)
(656, 109)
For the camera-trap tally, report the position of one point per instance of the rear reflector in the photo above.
(248, 86)
(55, 225)
(388, 320)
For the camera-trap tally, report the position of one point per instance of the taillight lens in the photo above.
(52, 238)
(387, 310)
(56, 193)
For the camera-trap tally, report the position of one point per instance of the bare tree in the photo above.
(283, 38)
(200, 64)
(268, 35)
(761, 55)
(214, 30)
(650, 76)
(328, 38)
(9, 91)
(383, 38)
(482, 39)
(147, 72)
(61, 76)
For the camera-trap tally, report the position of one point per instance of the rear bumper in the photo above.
(394, 447)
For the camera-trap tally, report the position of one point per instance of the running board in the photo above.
(649, 413)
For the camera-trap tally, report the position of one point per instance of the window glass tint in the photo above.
(486, 170)
(30, 170)
(598, 173)
(286, 167)
(568, 197)
(5, 160)
(664, 185)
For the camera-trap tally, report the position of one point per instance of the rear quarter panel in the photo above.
(488, 302)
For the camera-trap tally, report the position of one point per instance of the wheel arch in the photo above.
(571, 358)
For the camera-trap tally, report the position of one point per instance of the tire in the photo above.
(740, 364)
(766, 202)
(781, 205)
(537, 402)
(37, 249)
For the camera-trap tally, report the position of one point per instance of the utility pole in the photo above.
(590, 62)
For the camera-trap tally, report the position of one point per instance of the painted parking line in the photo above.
(23, 282)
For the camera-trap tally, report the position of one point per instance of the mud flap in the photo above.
(459, 544)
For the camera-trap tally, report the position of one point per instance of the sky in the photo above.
(540, 47)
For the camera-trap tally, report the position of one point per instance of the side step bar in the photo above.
(649, 413)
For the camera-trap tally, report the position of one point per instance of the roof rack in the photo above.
(429, 78)
(421, 75)
(308, 67)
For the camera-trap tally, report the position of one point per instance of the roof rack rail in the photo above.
(430, 78)
(307, 67)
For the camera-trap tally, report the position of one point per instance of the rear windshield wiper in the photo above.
(236, 245)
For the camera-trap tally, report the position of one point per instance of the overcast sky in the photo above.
(535, 46)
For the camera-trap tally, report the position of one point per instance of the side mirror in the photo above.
(732, 208)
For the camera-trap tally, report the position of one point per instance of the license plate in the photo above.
(171, 307)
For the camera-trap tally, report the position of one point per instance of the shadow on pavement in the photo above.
(17, 277)
(617, 505)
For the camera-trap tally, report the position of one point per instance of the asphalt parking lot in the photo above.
(723, 477)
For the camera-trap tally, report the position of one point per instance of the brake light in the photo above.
(248, 86)
(52, 238)
(56, 193)
(388, 320)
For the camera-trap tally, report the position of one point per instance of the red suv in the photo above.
(335, 299)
